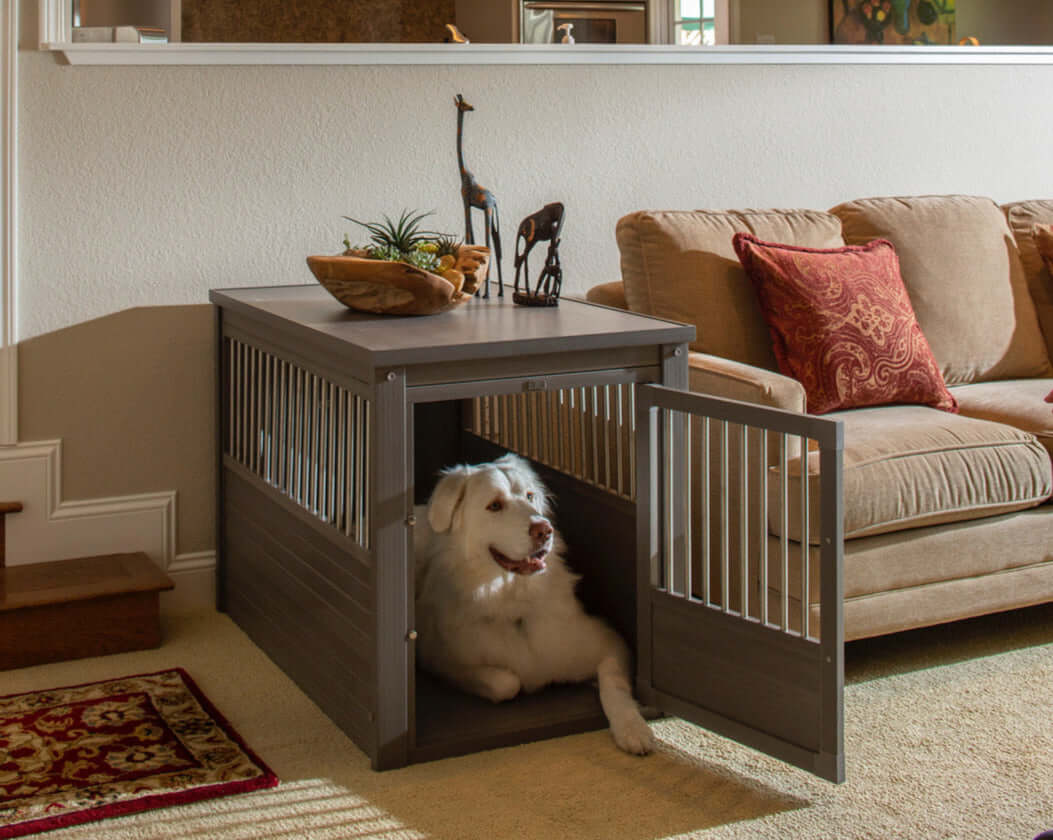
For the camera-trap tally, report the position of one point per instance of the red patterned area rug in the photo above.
(88, 752)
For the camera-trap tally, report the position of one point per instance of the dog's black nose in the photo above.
(540, 531)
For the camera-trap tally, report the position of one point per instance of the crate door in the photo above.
(740, 625)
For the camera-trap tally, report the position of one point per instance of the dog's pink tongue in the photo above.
(533, 564)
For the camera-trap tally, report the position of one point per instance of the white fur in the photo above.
(493, 632)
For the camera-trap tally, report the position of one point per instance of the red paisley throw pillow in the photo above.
(841, 324)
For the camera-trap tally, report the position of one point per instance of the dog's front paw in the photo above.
(633, 735)
(499, 684)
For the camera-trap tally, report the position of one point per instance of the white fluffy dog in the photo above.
(496, 610)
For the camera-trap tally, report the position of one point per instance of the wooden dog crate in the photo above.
(332, 424)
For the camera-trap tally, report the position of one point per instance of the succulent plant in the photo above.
(383, 252)
(401, 235)
(421, 259)
(447, 245)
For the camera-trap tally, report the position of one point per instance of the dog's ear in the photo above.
(448, 495)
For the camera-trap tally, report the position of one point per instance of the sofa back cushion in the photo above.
(961, 267)
(1022, 217)
(680, 264)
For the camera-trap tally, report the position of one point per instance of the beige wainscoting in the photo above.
(131, 397)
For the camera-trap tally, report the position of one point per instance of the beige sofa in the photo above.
(945, 515)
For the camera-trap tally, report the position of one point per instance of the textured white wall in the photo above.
(148, 186)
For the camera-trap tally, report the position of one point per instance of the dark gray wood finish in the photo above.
(437, 443)
(744, 671)
(304, 599)
(222, 433)
(478, 330)
(338, 617)
(646, 544)
(831, 759)
(762, 686)
(392, 483)
(450, 722)
(674, 376)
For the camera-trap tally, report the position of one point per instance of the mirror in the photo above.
(702, 22)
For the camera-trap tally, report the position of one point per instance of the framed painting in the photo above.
(892, 22)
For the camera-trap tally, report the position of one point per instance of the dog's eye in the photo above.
(495, 505)
(530, 496)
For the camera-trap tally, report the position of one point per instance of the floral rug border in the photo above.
(265, 779)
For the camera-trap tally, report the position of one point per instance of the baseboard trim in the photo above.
(149, 516)
(195, 561)
(162, 504)
(195, 579)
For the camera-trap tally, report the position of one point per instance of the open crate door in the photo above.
(740, 625)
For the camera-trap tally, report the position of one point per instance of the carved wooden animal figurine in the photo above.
(480, 198)
(543, 226)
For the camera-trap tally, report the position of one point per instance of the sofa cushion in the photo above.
(908, 466)
(1043, 235)
(681, 265)
(1016, 402)
(608, 294)
(962, 270)
(841, 324)
(1022, 217)
(1044, 242)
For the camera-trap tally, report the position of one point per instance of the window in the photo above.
(693, 22)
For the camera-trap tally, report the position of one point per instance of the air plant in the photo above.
(402, 235)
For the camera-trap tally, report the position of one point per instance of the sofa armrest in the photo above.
(720, 377)
(608, 294)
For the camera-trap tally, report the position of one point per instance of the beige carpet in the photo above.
(949, 734)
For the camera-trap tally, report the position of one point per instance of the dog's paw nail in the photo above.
(635, 738)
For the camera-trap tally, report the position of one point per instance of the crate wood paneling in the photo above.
(450, 722)
(740, 679)
(304, 600)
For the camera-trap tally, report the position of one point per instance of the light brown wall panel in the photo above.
(131, 396)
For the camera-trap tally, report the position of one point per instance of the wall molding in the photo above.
(9, 224)
(50, 527)
(532, 54)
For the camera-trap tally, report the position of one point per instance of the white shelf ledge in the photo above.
(258, 54)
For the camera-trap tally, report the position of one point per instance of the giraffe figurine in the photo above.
(480, 198)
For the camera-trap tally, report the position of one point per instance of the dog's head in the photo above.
(497, 510)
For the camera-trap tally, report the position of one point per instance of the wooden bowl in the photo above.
(397, 288)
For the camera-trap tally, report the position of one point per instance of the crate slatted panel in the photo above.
(305, 436)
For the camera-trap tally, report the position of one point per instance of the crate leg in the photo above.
(391, 505)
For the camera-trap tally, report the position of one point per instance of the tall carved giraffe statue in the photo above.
(480, 198)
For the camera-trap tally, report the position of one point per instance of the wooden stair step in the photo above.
(6, 508)
(84, 606)
(79, 579)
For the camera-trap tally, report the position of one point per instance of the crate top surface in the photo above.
(478, 329)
